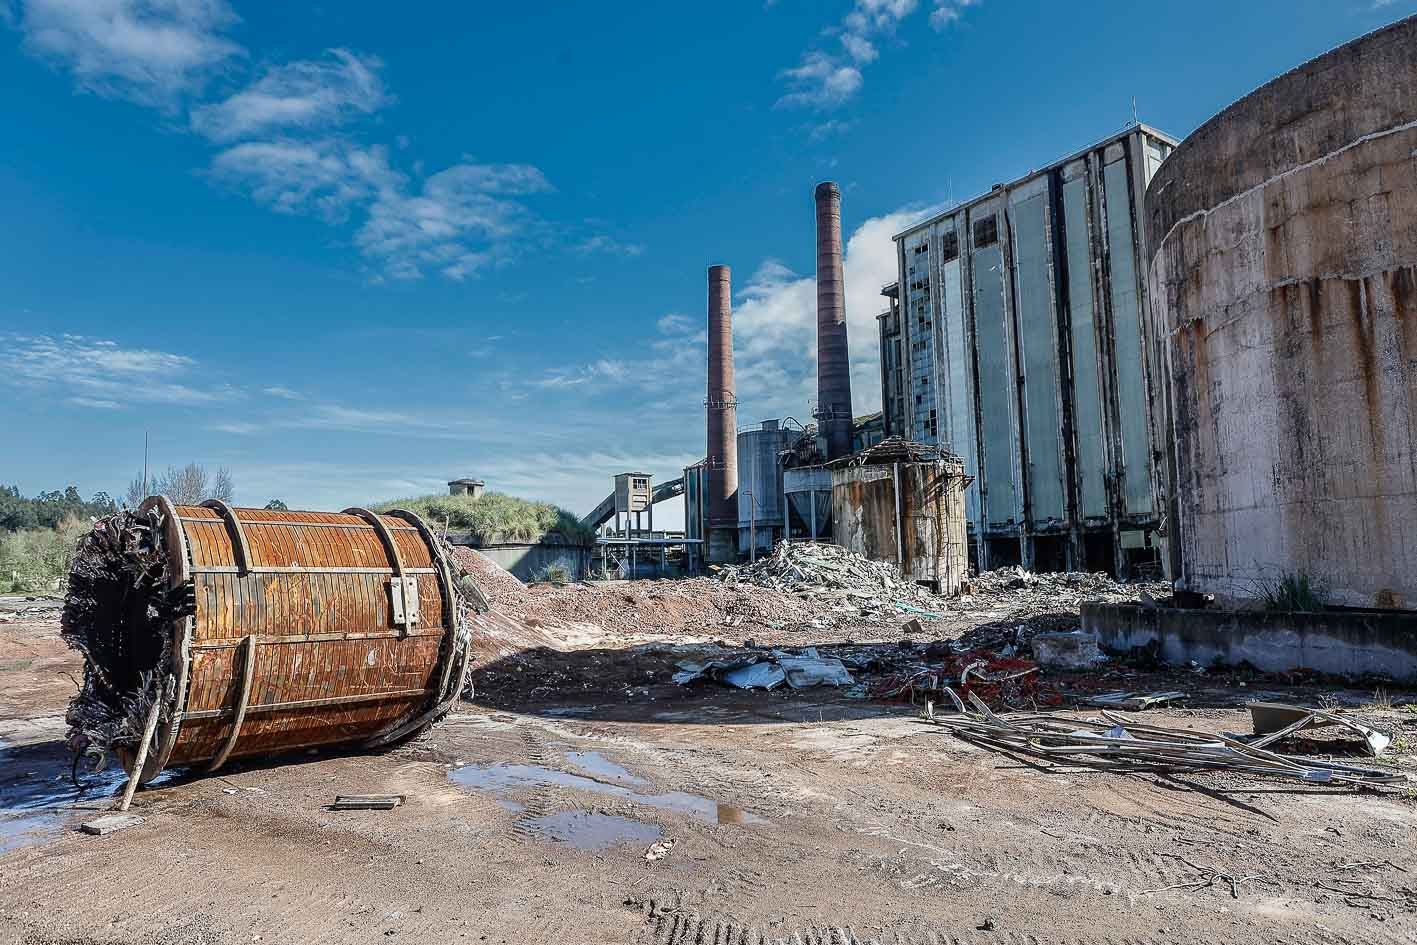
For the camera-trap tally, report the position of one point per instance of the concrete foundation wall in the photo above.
(529, 561)
(1341, 643)
(1284, 238)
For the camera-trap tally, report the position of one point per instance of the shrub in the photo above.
(1294, 592)
(37, 559)
(554, 573)
(495, 517)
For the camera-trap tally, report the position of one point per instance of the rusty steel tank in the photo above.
(260, 631)
(903, 502)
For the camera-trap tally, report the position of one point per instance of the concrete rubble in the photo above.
(831, 574)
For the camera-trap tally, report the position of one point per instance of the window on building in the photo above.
(986, 232)
(949, 246)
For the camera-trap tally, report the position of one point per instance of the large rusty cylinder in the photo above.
(261, 631)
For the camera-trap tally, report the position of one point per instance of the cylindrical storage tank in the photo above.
(260, 631)
(1283, 278)
(808, 494)
(760, 499)
(892, 503)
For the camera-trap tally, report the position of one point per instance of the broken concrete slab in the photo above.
(1075, 650)
(110, 823)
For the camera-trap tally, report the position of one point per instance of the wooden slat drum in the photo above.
(307, 605)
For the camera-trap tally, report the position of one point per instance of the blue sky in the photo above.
(351, 251)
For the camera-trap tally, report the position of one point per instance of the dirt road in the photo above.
(794, 817)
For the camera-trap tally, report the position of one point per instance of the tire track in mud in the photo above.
(666, 924)
(539, 802)
(1105, 867)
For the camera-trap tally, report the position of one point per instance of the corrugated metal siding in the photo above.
(1037, 371)
(955, 365)
(997, 397)
(1126, 338)
(1038, 349)
(1090, 437)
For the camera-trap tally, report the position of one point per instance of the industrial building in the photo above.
(1015, 337)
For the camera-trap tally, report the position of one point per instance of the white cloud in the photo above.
(102, 375)
(826, 129)
(279, 147)
(300, 95)
(675, 324)
(948, 12)
(285, 393)
(154, 52)
(609, 245)
(325, 177)
(824, 79)
(458, 223)
(820, 81)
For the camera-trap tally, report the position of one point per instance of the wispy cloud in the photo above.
(281, 138)
(324, 177)
(154, 52)
(829, 76)
(601, 243)
(948, 12)
(827, 129)
(101, 374)
(820, 80)
(459, 222)
(297, 95)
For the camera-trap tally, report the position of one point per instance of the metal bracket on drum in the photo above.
(238, 534)
(403, 589)
(243, 700)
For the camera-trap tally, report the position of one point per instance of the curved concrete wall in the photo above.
(1283, 240)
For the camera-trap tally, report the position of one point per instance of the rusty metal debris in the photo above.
(1275, 721)
(241, 632)
(1117, 744)
(367, 801)
(1132, 701)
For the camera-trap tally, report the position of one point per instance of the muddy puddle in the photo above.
(39, 800)
(590, 830)
(602, 768)
(504, 779)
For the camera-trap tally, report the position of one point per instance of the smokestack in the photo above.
(833, 363)
(722, 524)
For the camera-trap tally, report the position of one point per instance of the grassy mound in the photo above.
(495, 517)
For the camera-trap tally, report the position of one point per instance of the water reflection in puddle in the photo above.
(38, 799)
(597, 765)
(588, 830)
(500, 779)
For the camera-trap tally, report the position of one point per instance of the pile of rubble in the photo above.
(841, 579)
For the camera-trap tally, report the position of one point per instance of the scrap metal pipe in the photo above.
(260, 631)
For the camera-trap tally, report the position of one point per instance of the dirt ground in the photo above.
(538, 813)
